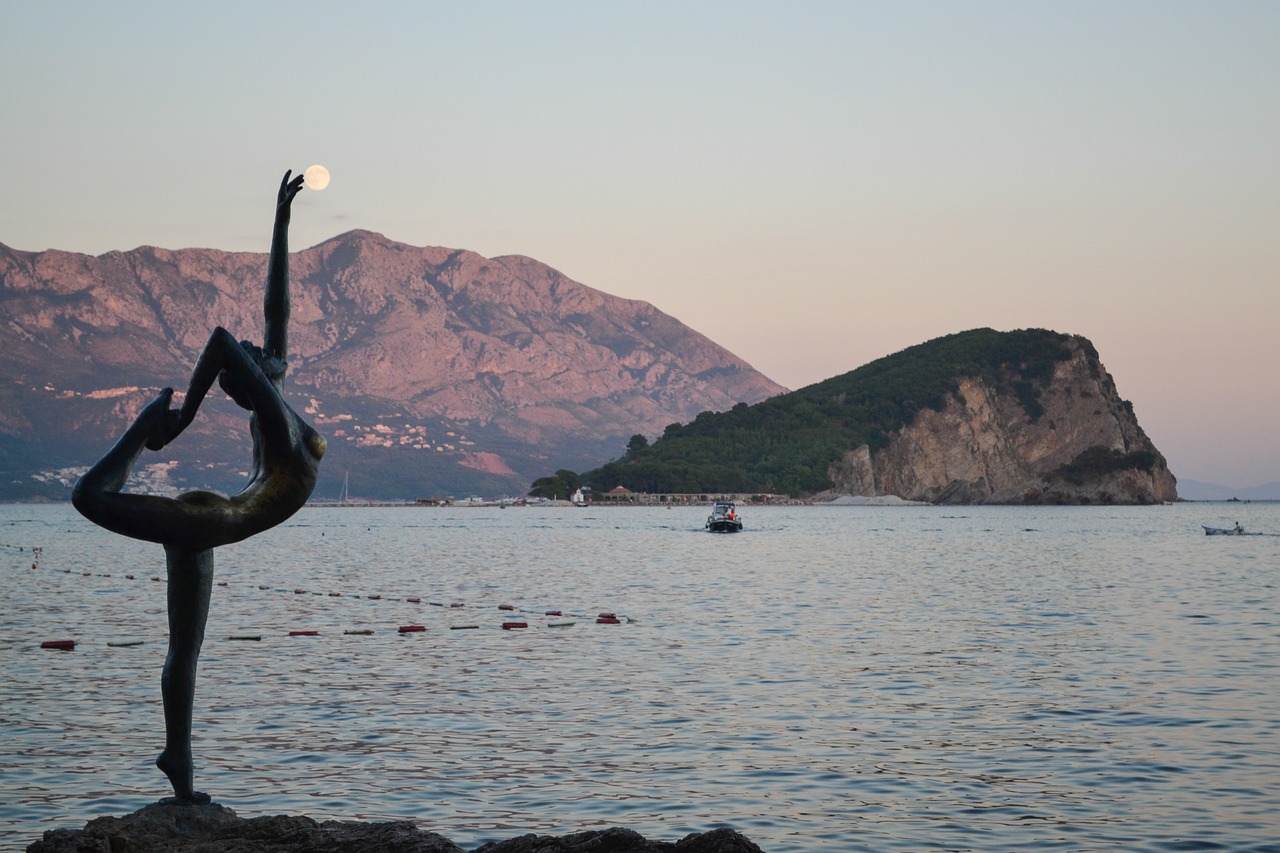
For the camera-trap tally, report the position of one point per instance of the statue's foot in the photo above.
(198, 798)
(179, 770)
(155, 419)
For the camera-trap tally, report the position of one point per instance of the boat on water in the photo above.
(1228, 531)
(724, 518)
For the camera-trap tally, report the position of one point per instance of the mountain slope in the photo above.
(429, 370)
(978, 417)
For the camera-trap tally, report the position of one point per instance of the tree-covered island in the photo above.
(794, 443)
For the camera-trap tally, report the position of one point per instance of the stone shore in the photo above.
(166, 828)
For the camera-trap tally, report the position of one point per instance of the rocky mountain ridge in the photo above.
(431, 371)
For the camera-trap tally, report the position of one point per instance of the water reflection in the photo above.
(852, 678)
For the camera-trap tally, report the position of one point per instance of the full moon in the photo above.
(316, 177)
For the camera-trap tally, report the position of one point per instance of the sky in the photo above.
(812, 185)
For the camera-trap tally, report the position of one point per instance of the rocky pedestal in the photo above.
(212, 828)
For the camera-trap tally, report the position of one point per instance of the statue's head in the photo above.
(236, 385)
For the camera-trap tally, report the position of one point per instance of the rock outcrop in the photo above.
(984, 446)
(161, 828)
(430, 371)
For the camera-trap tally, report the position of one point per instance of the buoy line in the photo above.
(564, 618)
(36, 552)
(408, 599)
(71, 644)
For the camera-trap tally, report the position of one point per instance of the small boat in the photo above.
(724, 518)
(1228, 531)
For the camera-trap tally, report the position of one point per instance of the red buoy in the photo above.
(412, 629)
(304, 633)
(553, 613)
(507, 626)
(374, 597)
(607, 615)
(335, 595)
(414, 600)
(299, 592)
(58, 644)
(506, 607)
(456, 604)
(608, 620)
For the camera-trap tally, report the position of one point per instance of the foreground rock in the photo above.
(216, 829)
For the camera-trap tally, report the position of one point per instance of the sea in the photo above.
(831, 678)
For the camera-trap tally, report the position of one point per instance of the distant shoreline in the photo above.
(848, 500)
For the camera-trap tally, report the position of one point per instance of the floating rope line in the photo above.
(410, 599)
(603, 618)
(36, 552)
(71, 644)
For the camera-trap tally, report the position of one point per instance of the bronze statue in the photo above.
(286, 460)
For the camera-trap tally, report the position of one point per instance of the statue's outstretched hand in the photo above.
(289, 187)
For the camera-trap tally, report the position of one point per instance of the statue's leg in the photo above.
(108, 475)
(190, 586)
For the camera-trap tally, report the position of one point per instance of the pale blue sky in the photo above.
(812, 185)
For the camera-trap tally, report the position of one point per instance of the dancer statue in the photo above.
(286, 460)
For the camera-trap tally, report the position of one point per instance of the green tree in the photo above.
(546, 487)
(558, 487)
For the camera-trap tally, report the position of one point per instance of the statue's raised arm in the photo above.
(275, 304)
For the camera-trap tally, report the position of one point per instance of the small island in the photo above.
(979, 417)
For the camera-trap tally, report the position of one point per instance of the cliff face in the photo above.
(984, 446)
(430, 371)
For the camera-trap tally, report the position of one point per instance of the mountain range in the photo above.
(431, 371)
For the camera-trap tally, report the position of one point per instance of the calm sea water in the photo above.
(854, 678)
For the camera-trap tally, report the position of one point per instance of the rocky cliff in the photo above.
(430, 371)
(1024, 416)
(1076, 441)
